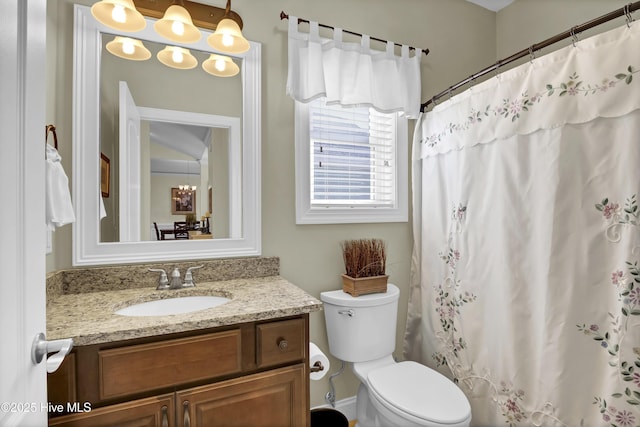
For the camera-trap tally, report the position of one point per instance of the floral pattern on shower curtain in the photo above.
(526, 265)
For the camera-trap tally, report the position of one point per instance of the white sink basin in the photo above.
(178, 305)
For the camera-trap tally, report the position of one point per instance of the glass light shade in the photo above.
(177, 57)
(220, 65)
(228, 37)
(127, 48)
(176, 25)
(119, 14)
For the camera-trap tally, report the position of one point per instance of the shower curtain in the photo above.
(525, 283)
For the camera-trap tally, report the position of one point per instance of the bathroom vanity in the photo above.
(243, 363)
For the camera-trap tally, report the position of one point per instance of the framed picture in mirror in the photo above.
(183, 202)
(105, 175)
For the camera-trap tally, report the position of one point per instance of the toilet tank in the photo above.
(361, 328)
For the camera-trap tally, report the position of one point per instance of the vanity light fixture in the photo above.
(128, 48)
(118, 14)
(220, 66)
(177, 57)
(177, 25)
(228, 36)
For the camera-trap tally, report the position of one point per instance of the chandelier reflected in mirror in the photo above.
(187, 188)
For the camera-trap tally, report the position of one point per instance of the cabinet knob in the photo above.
(283, 344)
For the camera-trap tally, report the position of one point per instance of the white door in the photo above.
(23, 392)
(129, 161)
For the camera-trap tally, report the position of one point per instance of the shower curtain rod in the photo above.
(572, 32)
(283, 15)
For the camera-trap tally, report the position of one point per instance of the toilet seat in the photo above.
(426, 396)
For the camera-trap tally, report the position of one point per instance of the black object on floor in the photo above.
(327, 417)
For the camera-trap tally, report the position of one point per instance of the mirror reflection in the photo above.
(115, 108)
(181, 185)
(166, 133)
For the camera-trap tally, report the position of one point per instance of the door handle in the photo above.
(41, 347)
(186, 419)
(165, 416)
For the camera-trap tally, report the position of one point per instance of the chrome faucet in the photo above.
(163, 281)
(176, 281)
(188, 277)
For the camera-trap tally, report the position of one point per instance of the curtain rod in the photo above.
(572, 32)
(283, 15)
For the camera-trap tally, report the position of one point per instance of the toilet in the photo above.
(362, 330)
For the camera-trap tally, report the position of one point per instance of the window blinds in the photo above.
(352, 156)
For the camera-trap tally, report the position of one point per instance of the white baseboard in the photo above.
(346, 406)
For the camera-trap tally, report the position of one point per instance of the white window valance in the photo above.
(352, 74)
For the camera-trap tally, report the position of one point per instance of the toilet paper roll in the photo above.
(319, 362)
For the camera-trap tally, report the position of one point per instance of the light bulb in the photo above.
(220, 64)
(177, 27)
(118, 14)
(177, 56)
(227, 40)
(128, 47)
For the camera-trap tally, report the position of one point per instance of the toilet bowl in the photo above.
(408, 394)
(362, 330)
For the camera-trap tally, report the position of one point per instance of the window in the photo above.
(347, 165)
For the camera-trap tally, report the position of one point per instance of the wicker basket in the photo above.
(364, 285)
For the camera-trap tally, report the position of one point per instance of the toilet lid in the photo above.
(421, 392)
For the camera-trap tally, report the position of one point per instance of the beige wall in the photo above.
(528, 22)
(219, 179)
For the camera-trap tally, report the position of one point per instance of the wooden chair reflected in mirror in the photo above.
(180, 230)
(163, 233)
(155, 225)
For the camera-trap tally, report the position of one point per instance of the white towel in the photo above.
(59, 209)
(103, 211)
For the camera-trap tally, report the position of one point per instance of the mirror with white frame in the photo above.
(126, 234)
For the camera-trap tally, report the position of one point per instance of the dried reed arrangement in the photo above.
(364, 257)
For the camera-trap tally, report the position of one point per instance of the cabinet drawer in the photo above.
(147, 367)
(280, 342)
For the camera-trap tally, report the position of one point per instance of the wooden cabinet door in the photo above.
(276, 398)
(150, 412)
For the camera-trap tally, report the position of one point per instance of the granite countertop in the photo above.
(89, 317)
